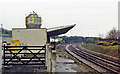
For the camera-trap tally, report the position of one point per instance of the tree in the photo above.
(113, 34)
(90, 40)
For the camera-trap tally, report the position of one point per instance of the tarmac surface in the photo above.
(65, 65)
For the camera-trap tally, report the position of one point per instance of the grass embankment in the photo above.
(108, 50)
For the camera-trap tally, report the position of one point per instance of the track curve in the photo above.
(108, 63)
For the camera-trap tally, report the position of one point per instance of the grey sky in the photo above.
(92, 17)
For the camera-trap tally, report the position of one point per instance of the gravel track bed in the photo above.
(92, 65)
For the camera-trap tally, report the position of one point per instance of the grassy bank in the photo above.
(108, 50)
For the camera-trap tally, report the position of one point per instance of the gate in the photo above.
(24, 55)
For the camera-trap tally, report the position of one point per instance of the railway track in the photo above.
(108, 63)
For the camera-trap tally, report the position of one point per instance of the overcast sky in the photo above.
(92, 17)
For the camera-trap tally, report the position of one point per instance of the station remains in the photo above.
(31, 45)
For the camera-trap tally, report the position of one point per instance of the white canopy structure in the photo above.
(59, 30)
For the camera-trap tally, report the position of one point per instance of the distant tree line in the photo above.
(5, 31)
(77, 39)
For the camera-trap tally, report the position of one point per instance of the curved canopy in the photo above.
(59, 30)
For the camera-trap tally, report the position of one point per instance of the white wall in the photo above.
(30, 37)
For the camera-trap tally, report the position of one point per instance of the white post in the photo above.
(53, 61)
(48, 58)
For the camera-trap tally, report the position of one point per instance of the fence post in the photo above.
(54, 61)
(48, 58)
(46, 54)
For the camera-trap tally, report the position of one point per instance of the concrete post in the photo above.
(54, 61)
(48, 58)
